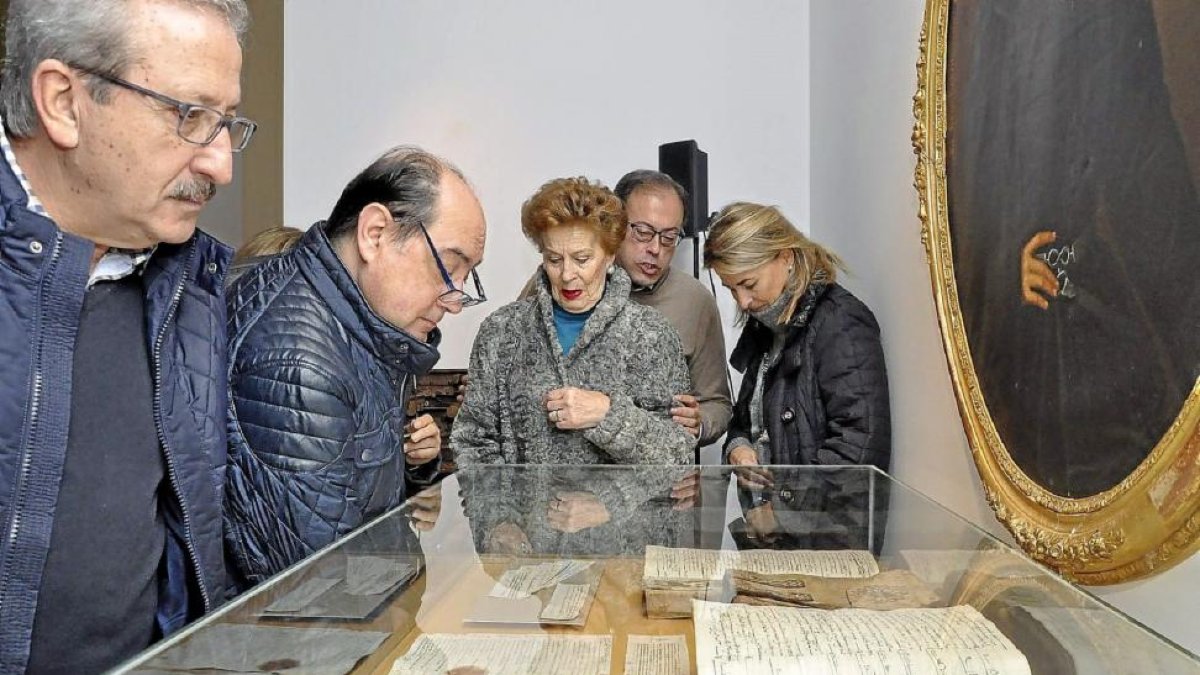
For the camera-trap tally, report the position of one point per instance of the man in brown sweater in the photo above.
(654, 206)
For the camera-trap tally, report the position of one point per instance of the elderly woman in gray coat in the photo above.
(577, 374)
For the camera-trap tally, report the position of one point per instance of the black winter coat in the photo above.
(825, 400)
(43, 277)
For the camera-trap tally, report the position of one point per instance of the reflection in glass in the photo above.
(490, 552)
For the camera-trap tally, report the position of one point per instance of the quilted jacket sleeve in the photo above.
(285, 491)
(853, 385)
(739, 433)
(744, 361)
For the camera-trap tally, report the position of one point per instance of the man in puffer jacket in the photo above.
(112, 323)
(325, 343)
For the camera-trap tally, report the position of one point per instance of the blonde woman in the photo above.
(814, 389)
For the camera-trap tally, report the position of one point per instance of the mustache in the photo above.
(198, 190)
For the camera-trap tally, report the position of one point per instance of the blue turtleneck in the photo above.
(569, 326)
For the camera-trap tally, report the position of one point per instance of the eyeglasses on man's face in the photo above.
(645, 233)
(454, 296)
(198, 124)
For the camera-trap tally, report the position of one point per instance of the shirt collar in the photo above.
(116, 263)
(636, 289)
(32, 202)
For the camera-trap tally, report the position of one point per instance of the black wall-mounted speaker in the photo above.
(687, 163)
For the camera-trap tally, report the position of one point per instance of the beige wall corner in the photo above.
(262, 101)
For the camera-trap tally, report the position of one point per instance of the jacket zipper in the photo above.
(35, 401)
(162, 435)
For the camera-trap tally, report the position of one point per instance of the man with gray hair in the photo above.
(326, 341)
(118, 122)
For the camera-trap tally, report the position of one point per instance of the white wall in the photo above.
(863, 57)
(519, 93)
(865, 208)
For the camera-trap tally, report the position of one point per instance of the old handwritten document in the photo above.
(657, 655)
(689, 564)
(672, 577)
(744, 639)
(437, 654)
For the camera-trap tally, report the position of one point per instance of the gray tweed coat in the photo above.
(627, 351)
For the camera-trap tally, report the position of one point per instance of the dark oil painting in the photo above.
(1073, 169)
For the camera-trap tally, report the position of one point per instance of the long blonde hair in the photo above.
(269, 242)
(745, 236)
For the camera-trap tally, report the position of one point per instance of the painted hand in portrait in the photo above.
(1076, 229)
(1072, 211)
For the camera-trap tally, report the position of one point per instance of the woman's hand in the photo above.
(761, 523)
(743, 454)
(750, 475)
(508, 538)
(685, 492)
(571, 512)
(427, 506)
(574, 408)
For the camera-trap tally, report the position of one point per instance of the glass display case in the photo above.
(606, 569)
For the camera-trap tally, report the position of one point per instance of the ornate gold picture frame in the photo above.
(1122, 511)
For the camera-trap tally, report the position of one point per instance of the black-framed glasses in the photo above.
(644, 233)
(454, 296)
(198, 124)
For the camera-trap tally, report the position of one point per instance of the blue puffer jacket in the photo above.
(318, 386)
(43, 278)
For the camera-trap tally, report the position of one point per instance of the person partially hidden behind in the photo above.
(269, 242)
(119, 122)
(326, 341)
